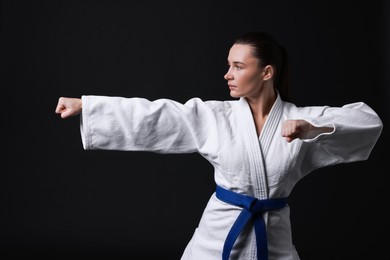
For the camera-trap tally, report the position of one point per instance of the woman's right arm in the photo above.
(137, 124)
(68, 107)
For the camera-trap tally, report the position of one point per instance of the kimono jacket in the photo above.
(224, 133)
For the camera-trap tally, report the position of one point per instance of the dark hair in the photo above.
(269, 52)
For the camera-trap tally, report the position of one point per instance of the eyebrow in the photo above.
(237, 62)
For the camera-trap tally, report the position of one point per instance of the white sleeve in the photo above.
(137, 124)
(357, 128)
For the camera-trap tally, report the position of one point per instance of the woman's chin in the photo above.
(234, 95)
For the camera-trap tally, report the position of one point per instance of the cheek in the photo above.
(242, 77)
(247, 79)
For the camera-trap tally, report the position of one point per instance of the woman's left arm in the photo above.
(349, 132)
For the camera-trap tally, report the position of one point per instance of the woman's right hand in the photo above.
(68, 107)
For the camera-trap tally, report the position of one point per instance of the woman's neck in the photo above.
(260, 107)
(261, 104)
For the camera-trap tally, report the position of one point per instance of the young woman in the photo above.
(260, 145)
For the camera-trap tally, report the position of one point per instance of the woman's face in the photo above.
(245, 75)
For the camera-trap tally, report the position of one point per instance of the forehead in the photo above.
(241, 53)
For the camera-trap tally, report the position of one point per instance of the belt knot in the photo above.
(253, 208)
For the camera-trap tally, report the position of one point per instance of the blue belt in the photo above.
(252, 209)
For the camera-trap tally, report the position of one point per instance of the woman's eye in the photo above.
(237, 67)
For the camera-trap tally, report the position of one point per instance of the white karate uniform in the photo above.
(224, 133)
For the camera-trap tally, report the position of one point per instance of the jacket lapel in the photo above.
(258, 146)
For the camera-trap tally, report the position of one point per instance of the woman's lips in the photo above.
(232, 86)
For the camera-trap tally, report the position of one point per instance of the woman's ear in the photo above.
(268, 72)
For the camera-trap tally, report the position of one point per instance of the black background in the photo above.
(59, 200)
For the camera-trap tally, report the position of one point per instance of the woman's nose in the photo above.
(227, 76)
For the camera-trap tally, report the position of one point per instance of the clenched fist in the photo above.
(292, 129)
(68, 107)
